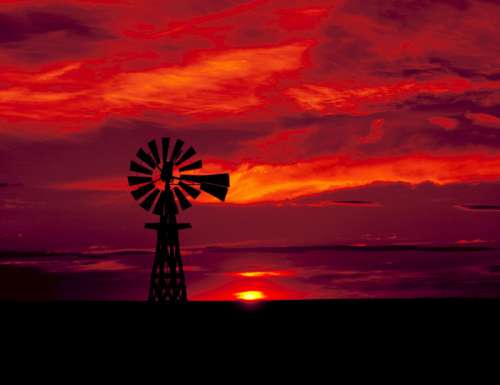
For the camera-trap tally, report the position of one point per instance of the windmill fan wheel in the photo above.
(160, 181)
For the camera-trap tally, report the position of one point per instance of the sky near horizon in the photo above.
(340, 122)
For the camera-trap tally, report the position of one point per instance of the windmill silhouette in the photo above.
(161, 186)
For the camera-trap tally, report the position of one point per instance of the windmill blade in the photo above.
(160, 205)
(146, 158)
(136, 167)
(193, 193)
(141, 191)
(215, 179)
(177, 150)
(150, 199)
(171, 205)
(219, 192)
(183, 201)
(165, 142)
(190, 152)
(133, 180)
(154, 150)
(192, 166)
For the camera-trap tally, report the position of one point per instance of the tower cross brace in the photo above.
(167, 283)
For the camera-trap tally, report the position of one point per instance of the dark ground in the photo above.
(368, 313)
(322, 329)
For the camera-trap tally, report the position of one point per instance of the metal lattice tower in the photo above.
(160, 184)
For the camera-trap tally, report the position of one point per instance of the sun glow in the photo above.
(251, 274)
(259, 274)
(252, 295)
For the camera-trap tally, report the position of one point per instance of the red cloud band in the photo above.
(254, 183)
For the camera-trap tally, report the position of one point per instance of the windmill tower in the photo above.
(160, 184)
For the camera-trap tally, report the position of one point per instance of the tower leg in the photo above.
(168, 283)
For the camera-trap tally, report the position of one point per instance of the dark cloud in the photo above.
(479, 207)
(377, 248)
(477, 101)
(432, 67)
(450, 67)
(467, 136)
(16, 254)
(406, 70)
(341, 49)
(398, 134)
(322, 200)
(407, 11)
(22, 26)
(355, 203)
(305, 119)
(408, 14)
(409, 39)
(5, 185)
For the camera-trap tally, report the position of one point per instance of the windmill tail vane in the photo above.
(159, 183)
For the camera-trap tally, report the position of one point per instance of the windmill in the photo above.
(160, 184)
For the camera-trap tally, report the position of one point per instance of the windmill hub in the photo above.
(157, 187)
(167, 172)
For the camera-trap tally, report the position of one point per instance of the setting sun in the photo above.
(251, 295)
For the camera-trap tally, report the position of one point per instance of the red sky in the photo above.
(339, 121)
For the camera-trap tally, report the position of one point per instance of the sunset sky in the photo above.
(359, 123)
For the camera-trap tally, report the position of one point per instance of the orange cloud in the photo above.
(253, 183)
(224, 81)
(273, 182)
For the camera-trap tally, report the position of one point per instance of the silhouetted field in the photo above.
(331, 324)
(326, 310)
